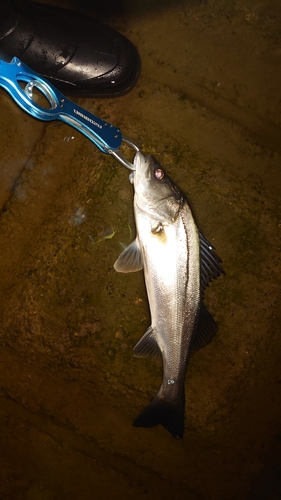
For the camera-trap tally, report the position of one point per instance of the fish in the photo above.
(178, 264)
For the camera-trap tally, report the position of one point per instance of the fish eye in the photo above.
(159, 174)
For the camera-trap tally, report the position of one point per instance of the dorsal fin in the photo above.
(210, 263)
(206, 329)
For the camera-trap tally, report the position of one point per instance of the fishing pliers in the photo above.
(20, 81)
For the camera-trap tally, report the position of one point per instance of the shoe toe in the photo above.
(76, 52)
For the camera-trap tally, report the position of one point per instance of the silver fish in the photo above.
(178, 264)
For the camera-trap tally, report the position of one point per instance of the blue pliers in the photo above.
(104, 135)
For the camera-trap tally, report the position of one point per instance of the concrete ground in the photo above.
(207, 105)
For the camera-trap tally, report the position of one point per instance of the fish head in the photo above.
(155, 192)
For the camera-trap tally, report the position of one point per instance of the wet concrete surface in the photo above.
(207, 105)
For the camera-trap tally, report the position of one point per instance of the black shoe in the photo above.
(74, 51)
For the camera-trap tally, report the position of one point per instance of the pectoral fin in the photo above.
(130, 260)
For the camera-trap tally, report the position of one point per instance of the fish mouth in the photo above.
(142, 166)
(147, 173)
(138, 160)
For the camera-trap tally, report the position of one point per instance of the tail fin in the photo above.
(159, 411)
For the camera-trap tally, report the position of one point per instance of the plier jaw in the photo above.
(120, 157)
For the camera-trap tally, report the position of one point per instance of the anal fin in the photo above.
(147, 346)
